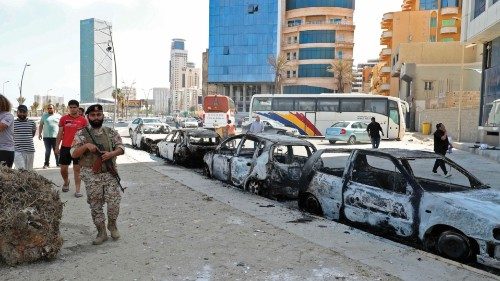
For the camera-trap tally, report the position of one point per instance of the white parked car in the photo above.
(143, 120)
(146, 136)
(190, 123)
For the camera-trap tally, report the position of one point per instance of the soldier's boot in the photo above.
(101, 235)
(113, 229)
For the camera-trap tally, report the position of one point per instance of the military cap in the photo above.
(94, 107)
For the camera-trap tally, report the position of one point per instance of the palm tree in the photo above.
(21, 100)
(120, 99)
(279, 66)
(34, 108)
(342, 73)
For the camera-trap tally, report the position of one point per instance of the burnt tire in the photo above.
(332, 141)
(310, 204)
(206, 171)
(454, 245)
(351, 140)
(254, 186)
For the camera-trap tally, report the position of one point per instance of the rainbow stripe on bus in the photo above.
(294, 120)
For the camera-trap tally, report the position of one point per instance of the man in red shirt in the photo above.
(68, 126)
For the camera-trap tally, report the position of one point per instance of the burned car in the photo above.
(187, 146)
(395, 192)
(147, 136)
(265, 164)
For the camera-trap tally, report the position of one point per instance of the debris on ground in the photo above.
(30, 215)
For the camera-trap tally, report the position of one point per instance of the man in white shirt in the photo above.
(256, 127)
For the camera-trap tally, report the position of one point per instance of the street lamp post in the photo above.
(112, 49)
(21, 85)
(3, 87)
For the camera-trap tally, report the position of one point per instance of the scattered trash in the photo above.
(302, 220)
(322, 226)
(30, 217)
(267, 206)
(347, 232)
(208, 198)
(240, 263)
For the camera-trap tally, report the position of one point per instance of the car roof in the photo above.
(401, 153)
(198, 132)
(276, 138)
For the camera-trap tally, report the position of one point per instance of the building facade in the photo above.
(481, 26)
(190, 76)
(96, 61)
(362, 76)
(178, 63)
(161, 97)
(418, 21)
(314, 34)
(242, 38)
(44, 100)
(185, 100)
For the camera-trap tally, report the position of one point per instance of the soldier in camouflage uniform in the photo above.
(101, 186)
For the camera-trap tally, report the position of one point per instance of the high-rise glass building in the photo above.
(243, 35)
(96, 61)
(178, 62)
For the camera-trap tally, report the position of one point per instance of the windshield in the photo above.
(151, 121)
(494, 116)
(274, 123)
(340, 125)
(155, 129)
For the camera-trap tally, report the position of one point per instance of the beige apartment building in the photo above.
(313, 37)
(419, 21)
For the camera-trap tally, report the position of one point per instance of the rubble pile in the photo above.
(30, 214)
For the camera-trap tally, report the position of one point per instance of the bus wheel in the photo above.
(332, 141)
(351, 140)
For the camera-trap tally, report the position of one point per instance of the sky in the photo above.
(46, 35)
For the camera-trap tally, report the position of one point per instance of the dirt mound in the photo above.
(30, 214)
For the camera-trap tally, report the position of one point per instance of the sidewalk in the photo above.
(464, 146)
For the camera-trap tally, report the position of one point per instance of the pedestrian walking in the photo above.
(68, 126)
(256, 127)
(373, 130)
(24, 131)
(47, 130)
(101, 186)
(441, 145)
(7, 147)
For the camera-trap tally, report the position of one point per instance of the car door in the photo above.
(360, 131)
(378, 195)
(171, 145)
(222, 156)
(242, 162)
(138, 132)
(162, 145)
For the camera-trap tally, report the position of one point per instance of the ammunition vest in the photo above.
(89, 158)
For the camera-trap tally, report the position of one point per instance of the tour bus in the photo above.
(312, 114)
(217, 110)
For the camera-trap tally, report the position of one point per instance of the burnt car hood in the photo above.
(154, 137)
(483, 202)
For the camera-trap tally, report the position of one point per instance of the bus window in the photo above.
(282, 104)
(351, 105)
(394, 112)
(331, 105)
(305, 105)
(261, 104)
(376, 106)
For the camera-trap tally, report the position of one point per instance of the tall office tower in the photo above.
(178, 63)
(96, 61)
(190, 76)
(314, 35)
(242, 38)
(418, 21)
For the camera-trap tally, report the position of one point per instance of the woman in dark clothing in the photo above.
(441, 145)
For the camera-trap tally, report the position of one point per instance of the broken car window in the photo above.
(248, 148)
(229, 146)
(378, 172)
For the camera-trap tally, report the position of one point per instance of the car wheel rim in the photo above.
(352, 140)
(453, 245)
(253, 187)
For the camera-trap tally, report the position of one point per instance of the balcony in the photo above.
(387, 34)
(449, 29)
(386, 52)
(388, 16)
(343, 44)
(385, 70)
(342, 26)
(449, 11)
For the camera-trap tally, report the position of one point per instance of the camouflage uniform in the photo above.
(101, 187)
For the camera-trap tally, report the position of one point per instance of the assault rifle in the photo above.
(109, 163)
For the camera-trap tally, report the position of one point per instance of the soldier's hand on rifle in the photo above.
(107, 155)
(91, 147)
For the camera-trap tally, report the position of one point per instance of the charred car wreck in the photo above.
(187, 146)
(265, 164)
(394, 191)
(147, 136)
